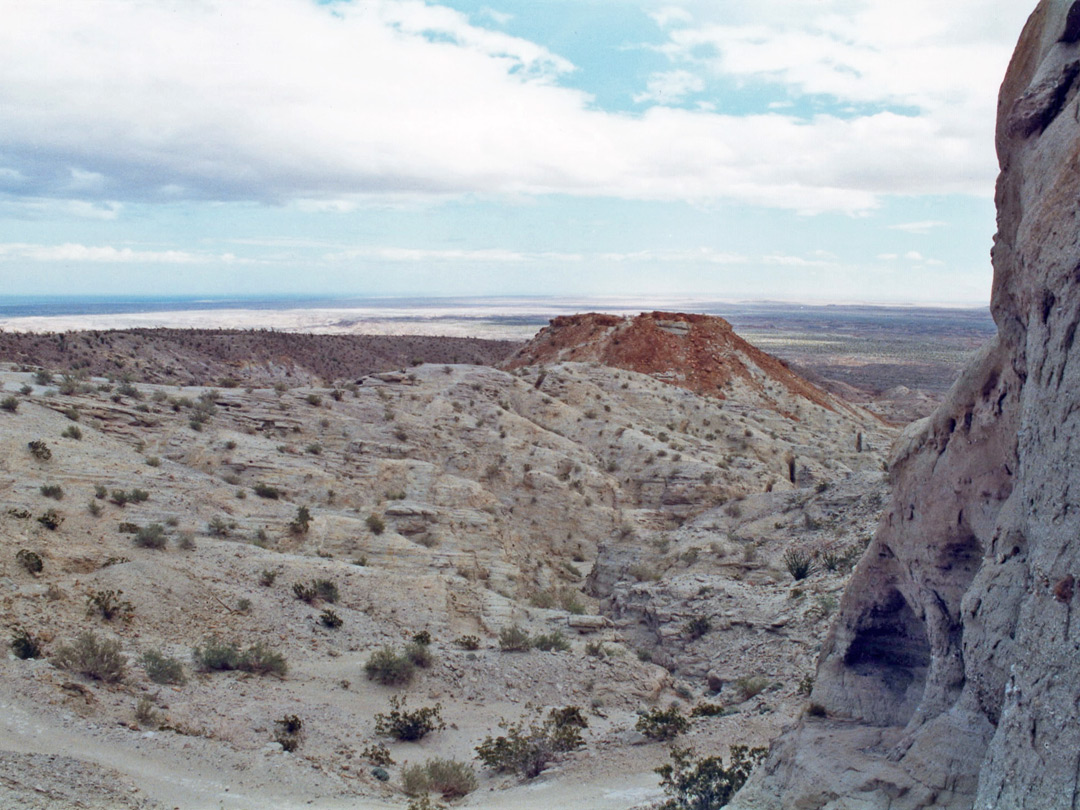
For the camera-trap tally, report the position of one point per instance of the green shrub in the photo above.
(94, 508)
(751, 685)
(50, 519)
(697, 627)
(389, 668)
(266, 491)
(152, 536)
(39, 450)
(319, 590)
(109, 605)
(72, 432)
(218, 655)
(163, 669)
(526, 748)
(9, 404)
(706, 784)
(662, 724)
(302, 522)
(30, 560)
(95, 658)
(798, 563)
(375, 523)
(25, 645)
(218, 527)
(100, 491)
(378, 754)
(596, 649)
(328, 618)
(267, 577)
(551, 642)
(447, 777)
(408, 726)
(419, 654)
(514, 639)
(153, 461)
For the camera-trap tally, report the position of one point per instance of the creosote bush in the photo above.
(706, 784)
(527, 747)
(551, 642)
(289, 732)
(50, 519)
(163, 669)
(468, 642)
(328, 618)
(375, 524)
(109, 605)
(318, 590)
(216, 654)
(447, 777)
(408, 725)
(152, 536)
(25, 644)
(514, 639)
(9, 404)
(39, 450)
(662, 724)
(389, 668)
(30, 560)
(93, 657)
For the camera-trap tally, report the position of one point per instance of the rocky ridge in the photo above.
(948, 680)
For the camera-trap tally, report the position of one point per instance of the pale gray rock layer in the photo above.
(950, 677)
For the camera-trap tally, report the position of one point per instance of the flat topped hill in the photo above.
(700, 353)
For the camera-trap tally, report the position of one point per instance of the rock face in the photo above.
(949, 679)
(700, 353)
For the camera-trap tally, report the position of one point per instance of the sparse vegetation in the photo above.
(375, 524)
(328, 618)
(697, 627)
(152, 536)
(513, 639)
(407, 725)
(468, 642)
(109, 605)
(39, 450)
(163, 669)
(706, 783)
(9, 404)
(751, 685)
(25, 645)
(30, 560)
(93, 657)
(447, 777)
(72, 432)
(215, 654)
(551, 642)
(662, 724)
(798, 563)
(527, 747)
(388, 667)
(317, 590)
(266, 491)
(289, 732)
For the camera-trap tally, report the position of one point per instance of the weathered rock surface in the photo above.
(949, 680)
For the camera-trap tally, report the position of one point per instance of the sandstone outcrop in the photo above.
(949, 679)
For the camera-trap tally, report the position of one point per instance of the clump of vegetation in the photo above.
(266, 491)
(93, 657)
(9, 404)
(218, 527)
(596, 649)
(109, 605)
(318, 590)
(706, 784)
(798, 563)
(39, 450)
(697, 627)
(447, 777)
(527, 747)
(378, 754)
(152, 536)
(514, 639)
(662, 724)
(145, 713)
(25, 644)
(267, 577)
(289, 732)
(408, 725)
(708, 710)
(72, 432)
(30, 560)
(122, 498)
(389, 668)
(50, 519)
(751, 685)
(419, 654)
(216, 654)
(328, 618)
(375, 523)
(302, 522)
(468, 642)
(163, 669)
(551, 642)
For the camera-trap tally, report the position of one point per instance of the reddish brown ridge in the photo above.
(698, 352)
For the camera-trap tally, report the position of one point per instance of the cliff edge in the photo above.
(949, 678)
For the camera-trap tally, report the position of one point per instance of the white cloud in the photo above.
(888, 257)
(71, 252)
(670, 87)
(919, 227)
(289, 100)
(914, 256)
(497, 17)
(671, 14)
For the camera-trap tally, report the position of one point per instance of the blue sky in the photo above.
(834, 150)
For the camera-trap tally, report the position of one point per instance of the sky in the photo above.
(796, 150)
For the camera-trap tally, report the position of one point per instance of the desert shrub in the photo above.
(407, 725)
(9, 404)
(25, 644)
(706, 784)
(100, 491)
(30, 560)
(514, 639)
(708, 710)
(43, 377)
(378, 754)
(39, 450)
(301, 522)
(314, 400)
(218, 527)
(93, 657)
(423, 637)
(596, 649)
(266, 491)
(798, 563)
(468, 642)
(662, 724)
(831, 560)
(108, 605)
(72, 432)
(551, 642)
(145, 713)
(163, 669)
(267, 577)
(289, 732)
(72, 413)
(318, 590)
(152, 536)
(94, 508)
(328, 618)
(697, 627)
(527, 747)
(419, 654)
(389, 668)
(375, 523)
(751, 685)
(447, 777)
(153, 461)
(643, 573)
(186, 541)
(219, 655)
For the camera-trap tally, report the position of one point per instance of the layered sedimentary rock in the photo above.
(950, 677)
